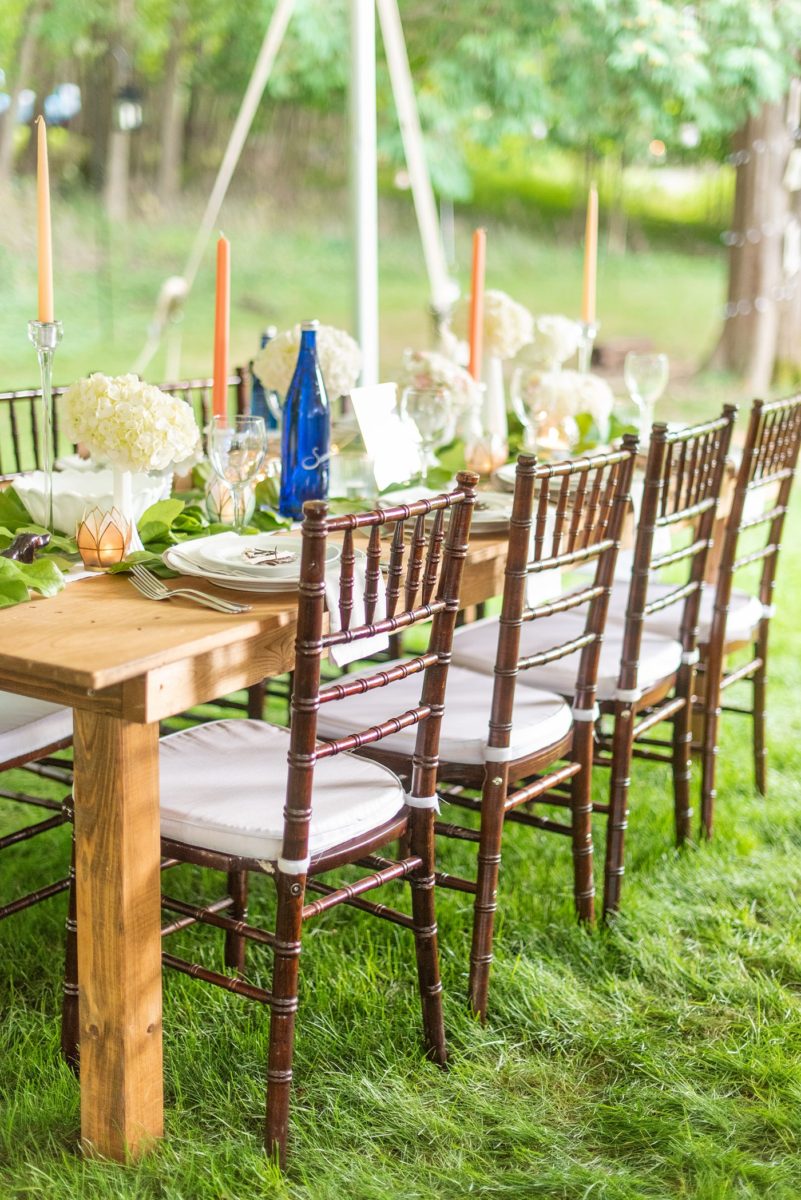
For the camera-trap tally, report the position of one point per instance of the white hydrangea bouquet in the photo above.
(508, 325)
(132, 426)
(430, 369)
(554, 340)
(338, 354)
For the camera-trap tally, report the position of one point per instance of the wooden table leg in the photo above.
(119, 941)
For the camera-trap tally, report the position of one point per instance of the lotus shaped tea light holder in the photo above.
(103, 538)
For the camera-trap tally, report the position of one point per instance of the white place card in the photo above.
(392, 443)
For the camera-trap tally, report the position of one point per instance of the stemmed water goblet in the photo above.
(646, 377)
(237, 451)
(429, 410)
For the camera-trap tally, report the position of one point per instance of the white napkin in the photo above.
(349, 652)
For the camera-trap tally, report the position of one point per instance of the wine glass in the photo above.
(237, 452)
(646, 377)
(429, 410)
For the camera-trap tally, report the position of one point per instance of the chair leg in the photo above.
(709, 745)
(682, 757)
(489, 862)
(760, 712)
(581, 823)
(256, 696)
(617, 821)
(426, 945)
(70, 1021)
(235, 945)
(284, 1006)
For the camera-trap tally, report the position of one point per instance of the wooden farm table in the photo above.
(124, 663)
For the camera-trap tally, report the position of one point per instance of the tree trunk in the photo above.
(749, 339)
(788, 351)
(25, 55)
(118, 156)
(172, 121)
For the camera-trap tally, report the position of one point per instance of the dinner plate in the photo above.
(492, 512)
(177, 559)
(223, 554)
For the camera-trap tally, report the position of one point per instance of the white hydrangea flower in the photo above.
(507, 324)
(567, 394)
(430, 369)
(338, 354)
(554, 341)
(130, 424)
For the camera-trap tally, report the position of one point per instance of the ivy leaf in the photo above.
(13, 512)
(266, 520)
(17, 579)
(267, 493)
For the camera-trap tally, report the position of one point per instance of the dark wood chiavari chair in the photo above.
(644, 678)
(759, 507)
(228, 801)
(512, 745)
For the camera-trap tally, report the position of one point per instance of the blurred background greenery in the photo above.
(521, 104)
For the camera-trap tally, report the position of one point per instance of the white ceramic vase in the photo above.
(124, 503)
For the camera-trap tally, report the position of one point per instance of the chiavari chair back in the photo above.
(757, 515)
(683, 479)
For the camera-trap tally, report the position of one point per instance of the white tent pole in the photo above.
(364, 184)
(258, 81)
(442, 288)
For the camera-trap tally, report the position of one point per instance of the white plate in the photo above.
(177, 560)
(493, 509)
(184, 566)
(222, 554)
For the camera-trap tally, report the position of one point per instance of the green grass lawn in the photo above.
(659, 1058)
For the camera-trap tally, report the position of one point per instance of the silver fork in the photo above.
(153, 588)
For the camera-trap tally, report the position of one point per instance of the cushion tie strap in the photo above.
(628, 695)
(589, 715)
(690, 657)
(499, 754)
(422, 801)
(294, 866)
(768, 611)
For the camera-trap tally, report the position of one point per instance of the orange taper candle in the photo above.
(477, 301)
(43, 225)
(590, 258)
(222, 318)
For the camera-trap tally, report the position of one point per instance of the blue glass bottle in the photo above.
(259, 406)
(306, 431)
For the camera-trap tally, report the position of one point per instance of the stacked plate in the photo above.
(491, 514)
(261, 562)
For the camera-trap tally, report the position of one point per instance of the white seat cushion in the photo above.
(29, 726)
(474, 647)
(745, 613)
(539, 718)
(223, 787)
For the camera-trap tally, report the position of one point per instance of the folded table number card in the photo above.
(392, 443)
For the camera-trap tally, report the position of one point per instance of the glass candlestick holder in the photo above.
(45, 336)
(589, 332)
